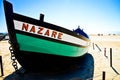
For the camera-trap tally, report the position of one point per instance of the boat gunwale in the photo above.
(26, 19)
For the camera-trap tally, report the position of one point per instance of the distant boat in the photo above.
(1, 36)
(38, 44)
(4, 36)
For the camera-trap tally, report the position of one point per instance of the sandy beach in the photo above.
(101, 63)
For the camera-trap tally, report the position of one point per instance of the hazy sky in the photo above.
(94, 16)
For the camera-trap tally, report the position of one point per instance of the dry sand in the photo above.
(101, 63)
(6, 59)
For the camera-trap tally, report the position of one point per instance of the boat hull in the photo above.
(32, 44)
(34, 62)
(40, 55)
(41, 46)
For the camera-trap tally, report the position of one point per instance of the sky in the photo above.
(93, 16)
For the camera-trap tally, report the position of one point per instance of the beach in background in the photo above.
(100, 49)
(97, 49)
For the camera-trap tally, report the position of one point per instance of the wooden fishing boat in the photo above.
(40, 46)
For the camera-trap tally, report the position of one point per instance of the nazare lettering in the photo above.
(41, 31)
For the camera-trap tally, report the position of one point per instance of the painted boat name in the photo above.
(42, 31)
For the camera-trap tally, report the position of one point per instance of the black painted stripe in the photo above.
(50, 39)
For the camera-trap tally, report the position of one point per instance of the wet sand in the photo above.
(101, 63)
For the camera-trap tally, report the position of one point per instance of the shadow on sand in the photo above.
(82, 71)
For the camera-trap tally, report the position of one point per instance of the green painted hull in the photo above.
(32, 44)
